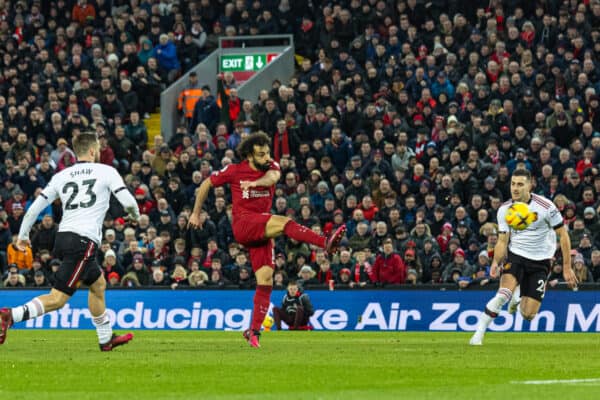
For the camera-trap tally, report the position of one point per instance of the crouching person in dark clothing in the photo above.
(295, 309)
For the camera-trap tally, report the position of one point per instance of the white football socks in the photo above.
(103, 328)
(516, 298)
(492, 308)
(29, 310)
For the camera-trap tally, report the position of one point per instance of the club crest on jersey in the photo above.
(506, 266)
(253, 193)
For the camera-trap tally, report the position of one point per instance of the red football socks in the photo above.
(303, 234)
(262, 299)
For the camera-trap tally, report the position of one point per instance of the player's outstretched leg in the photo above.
(515, 300)
(278, 225)
(32, 309)
(492, 309)
(303, 234)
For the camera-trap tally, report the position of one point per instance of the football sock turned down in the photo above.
(303, 234)
(262, 299)
(103, 328)
(30, 310)
(493, 307)
(516, 297)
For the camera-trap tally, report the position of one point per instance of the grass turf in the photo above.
(297, 365)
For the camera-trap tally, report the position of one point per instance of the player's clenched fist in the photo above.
(570, 277)
(194, 221)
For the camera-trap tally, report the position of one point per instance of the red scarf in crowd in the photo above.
(235, 107)
(357, 273)
(281, 146)
(324, 277)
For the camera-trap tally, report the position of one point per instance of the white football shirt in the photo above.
(84, 190)
(538, 240)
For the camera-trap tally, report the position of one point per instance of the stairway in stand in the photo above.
(153, 126)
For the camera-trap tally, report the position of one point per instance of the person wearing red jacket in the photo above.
(389, 267)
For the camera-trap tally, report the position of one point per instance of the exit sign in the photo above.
(246, 62)
(243, 62)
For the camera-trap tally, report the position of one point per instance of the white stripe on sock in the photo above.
(35, 308)
(103, 328)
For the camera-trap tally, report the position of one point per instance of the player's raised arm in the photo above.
(124, 197)
(270, 178)
(46, 197)
(39, 204)
(500, 251)
(565, 248)
(201, 195)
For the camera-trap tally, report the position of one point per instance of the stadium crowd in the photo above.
(404, 121)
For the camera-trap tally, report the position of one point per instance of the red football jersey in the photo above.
(255, 200)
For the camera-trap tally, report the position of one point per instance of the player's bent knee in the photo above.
(529, 316)
(276, 225)
(264, 275)
(99, 287)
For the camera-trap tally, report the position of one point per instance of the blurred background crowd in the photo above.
(404, 120)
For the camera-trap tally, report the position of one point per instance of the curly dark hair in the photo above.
(246, 147)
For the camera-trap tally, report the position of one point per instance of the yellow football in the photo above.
(268, 322)
(518, 216)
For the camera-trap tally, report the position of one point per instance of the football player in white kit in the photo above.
(84, 190)
(526, 256)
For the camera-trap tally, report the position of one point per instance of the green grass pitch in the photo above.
(299, 365)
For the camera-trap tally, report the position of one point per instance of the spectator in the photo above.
(111, 264)
(114, 280)
(353, 111)
(295, 310)
(23, 260)
(137, 273)
(458, 268)
(39, 280)
(197, 279)
(166, 55)
(83, 12)
(14, 280)
(159, 279)
(389, 268)
(189, 97)
(306, 276)
(205, 111)
(582, 272)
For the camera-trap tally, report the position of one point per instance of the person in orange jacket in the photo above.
(22, 259)
(189, 96)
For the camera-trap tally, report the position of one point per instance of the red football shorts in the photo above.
(249, 231)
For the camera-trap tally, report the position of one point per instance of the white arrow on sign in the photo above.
(259, 64)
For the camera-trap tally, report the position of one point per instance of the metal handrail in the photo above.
(287, 36)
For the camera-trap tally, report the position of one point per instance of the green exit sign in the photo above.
(243, 62)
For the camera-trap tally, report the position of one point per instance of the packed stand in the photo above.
(404, 121)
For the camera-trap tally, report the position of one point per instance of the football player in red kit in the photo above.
(252, 183)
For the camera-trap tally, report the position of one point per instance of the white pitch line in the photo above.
(557, 381)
